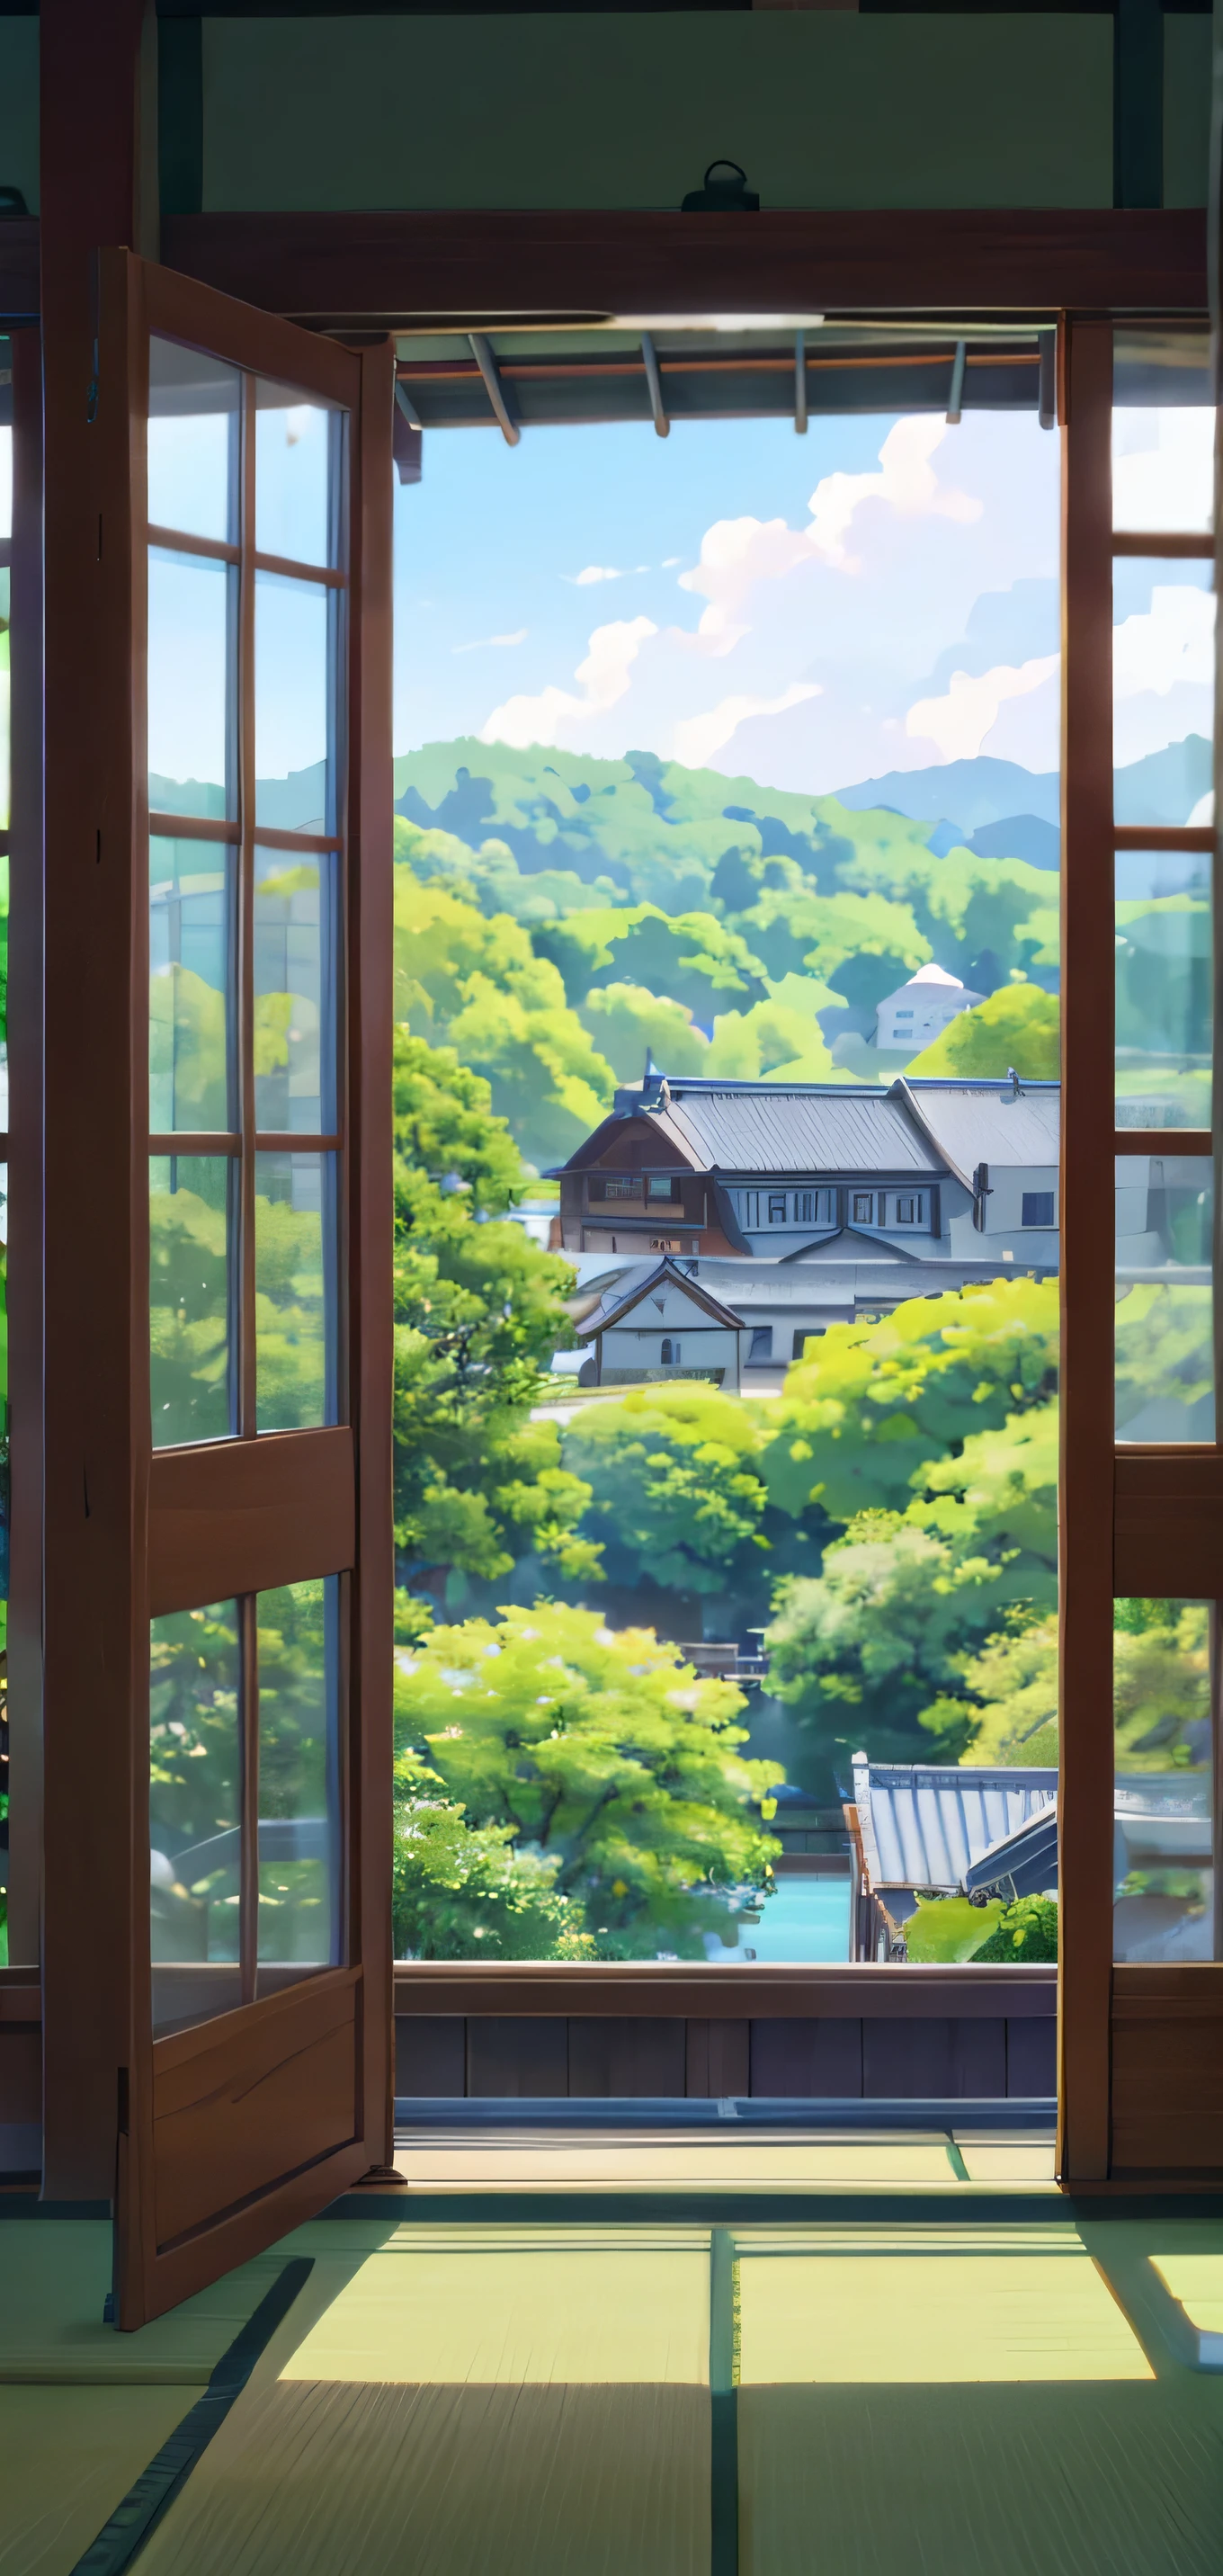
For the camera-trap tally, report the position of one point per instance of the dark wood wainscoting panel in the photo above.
(717, 2058)
(20, 2074)
(1168, 1524)
(1031, 2057)
(943, 2060)
(623, 2059)
(232, 2095)
(430, 2057)
(803, 2061)
(528, 2057)
(1167, 2028)
(244, 1516)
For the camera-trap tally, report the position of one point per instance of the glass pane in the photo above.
(195, 1807)
(295, 1233)
(297, 483)
(191, 976)
(1163, 691)
(192, 608)
(6, 480)
(1163, 432)
(190, 1296)
(1163, 1841)
(1163, 988)
(194, 412)
(299, 1801)
(295, 630)
(1165, 1308)
(295, 1002)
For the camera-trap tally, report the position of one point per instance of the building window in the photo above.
(864, 1207)
(661, 1186)
(801, 1340)
(777, 1208)
(1038, 1207)
(815, 1207)
(903, 1015)
(761, 1350)
(908, 1210)
(609, 1187)
(669, 1354)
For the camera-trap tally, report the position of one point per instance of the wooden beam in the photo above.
(395, 267)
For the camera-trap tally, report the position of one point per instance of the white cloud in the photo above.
(906, 482)
(604, 678)
(669, 562)
(1173, 642)
(1163, 466)
(958, 723)
(696, 738)
(603, 572)
(519, 636)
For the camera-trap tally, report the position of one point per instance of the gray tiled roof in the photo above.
(805, 1131)
(977, 1126)
(923, 1824)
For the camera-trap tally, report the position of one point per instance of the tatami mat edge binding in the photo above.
(155, 2489)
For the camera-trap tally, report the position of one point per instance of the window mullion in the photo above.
(247, 1405)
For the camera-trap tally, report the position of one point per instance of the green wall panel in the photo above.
(19, 107)
(1186, 110)
(823, 109)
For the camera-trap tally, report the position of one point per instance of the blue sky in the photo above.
(879, 595)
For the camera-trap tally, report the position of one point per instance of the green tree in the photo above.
(479, 1310)
(872, 1652)
(1019, 1026)
(478, 984)
(614, 1769)
(676, 1498)
(871, 1401)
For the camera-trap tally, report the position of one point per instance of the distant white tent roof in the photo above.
(927, 977)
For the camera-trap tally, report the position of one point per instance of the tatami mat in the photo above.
(561, 2163)
(67, 2458)
(54, 2277)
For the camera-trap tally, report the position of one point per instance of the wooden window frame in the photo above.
(1137, 1518)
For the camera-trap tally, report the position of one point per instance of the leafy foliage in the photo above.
(615, 1771)
(1026, 1931)
(1019, 1026)
(479, 1310)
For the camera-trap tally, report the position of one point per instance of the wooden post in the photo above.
(1087, 1254)
(90, 159)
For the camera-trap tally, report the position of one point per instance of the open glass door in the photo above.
(244, 535)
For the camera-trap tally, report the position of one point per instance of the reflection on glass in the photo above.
(297, 481)
(295, 1237)
(1163, 691)
(1163, 432)
(295, 630)
(190, 1341)
(1163, 970)
(190, 980)
(195, 1794)
(6, 477)
(193, 442)
(192, 602)
(294, 953)
(1163, 1847)
(298, 1657)
(1165, 1306)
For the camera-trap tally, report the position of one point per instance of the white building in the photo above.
(920, 1011)
(665, 1325)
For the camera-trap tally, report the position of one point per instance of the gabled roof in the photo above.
(970, 1123)
(618, 1301)
(850, 1244)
